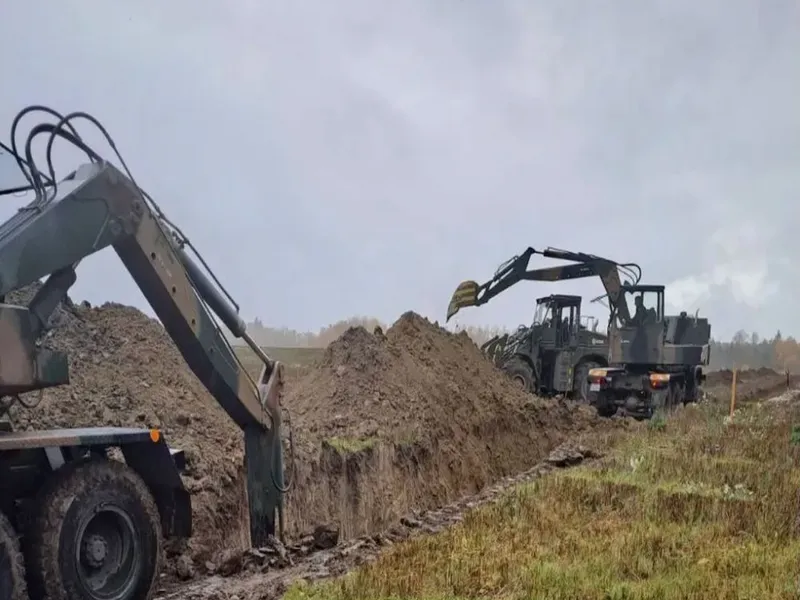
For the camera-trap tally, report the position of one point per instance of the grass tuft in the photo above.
(352, 445)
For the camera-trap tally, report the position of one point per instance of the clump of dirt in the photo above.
(412, 419)
(126, 372)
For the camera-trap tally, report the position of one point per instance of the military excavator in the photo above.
(554, 354)
(76, 524)
(647, 360)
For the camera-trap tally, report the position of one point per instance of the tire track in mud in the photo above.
(267, 573)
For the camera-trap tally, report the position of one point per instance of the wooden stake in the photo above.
(733, 392)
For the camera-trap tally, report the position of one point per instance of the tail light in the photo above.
(598, 375)
(659, 380)
(598, 379)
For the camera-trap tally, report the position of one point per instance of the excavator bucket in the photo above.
(263, 459)
(466, 294)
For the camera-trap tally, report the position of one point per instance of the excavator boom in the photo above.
(94, 525)
(98, 206)
(470, 293)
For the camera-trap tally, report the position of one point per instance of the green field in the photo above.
(688, 506)
(296, 360)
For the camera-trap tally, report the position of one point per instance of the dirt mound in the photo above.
(411, 419)
(126, 372)
(418, 380)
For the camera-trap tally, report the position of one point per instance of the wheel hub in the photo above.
(107, 555)
(95, 551)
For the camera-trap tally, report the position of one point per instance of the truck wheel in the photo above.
(581, 380)
(521, 374)
(605, 406)
(674, 395)
(12, 567)
(95, 535)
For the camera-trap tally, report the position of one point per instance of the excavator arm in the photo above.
(96, 207)
(470, 293)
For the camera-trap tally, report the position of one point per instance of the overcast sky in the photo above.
(364, 157)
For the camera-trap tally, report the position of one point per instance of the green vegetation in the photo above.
(352, 446)
(690, 508)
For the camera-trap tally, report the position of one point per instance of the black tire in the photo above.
(605, 409)
(679, 398)
(521, 373)
(672, 397)
(580, 383)
(12, 567)
(95, 535)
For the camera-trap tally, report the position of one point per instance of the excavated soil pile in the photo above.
(412, 418)
(385, 424)
(126, 372)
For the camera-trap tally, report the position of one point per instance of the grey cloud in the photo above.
(363, 157)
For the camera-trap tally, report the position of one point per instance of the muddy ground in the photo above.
(412, 418)
(384, 425)
(750, 383)
(266, 573)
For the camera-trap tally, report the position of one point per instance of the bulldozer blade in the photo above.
(466, 294)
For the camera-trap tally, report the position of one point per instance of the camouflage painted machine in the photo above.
(91, 528)
(646, 361)
(655, 360)
(555, 354)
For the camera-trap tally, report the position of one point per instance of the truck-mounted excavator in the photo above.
(74, 523)
(650, 360)
(554, 354)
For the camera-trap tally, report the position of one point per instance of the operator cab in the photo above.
(558, 316)
(589, 323)
(645, 304)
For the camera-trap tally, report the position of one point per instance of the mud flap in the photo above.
(264, 465)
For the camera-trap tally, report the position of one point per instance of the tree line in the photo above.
(744, 350)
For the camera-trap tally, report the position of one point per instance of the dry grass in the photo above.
(694, 508)
(352, 445)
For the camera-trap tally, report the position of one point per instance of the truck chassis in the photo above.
(639, 392)
(65, 496)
